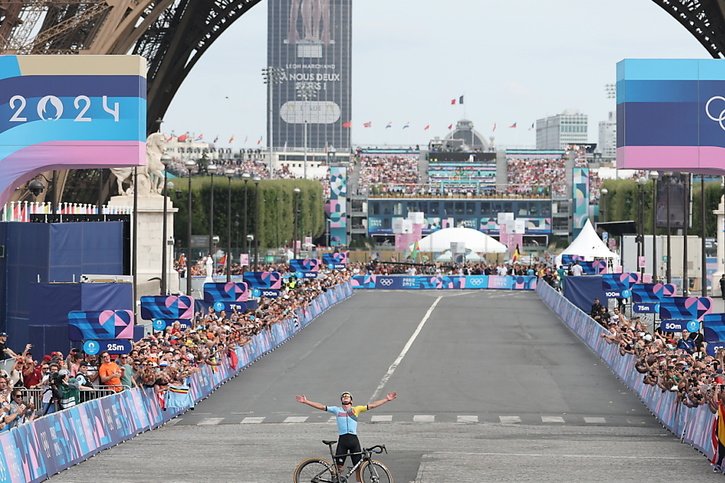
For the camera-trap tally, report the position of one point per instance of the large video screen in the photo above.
(309, 47)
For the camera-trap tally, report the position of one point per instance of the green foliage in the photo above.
(269, 209)
(621, 203)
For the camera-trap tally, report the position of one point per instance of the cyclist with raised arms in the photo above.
(346, 417)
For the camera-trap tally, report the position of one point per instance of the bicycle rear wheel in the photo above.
(314, 470)
(375, 472)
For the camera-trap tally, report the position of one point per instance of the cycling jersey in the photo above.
(346, 420)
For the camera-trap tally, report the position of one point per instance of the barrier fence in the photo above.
(692, 425)
(39, 449)
(450, 282)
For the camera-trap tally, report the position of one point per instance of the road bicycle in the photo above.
(318, 470)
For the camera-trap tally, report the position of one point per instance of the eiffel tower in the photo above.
(173, 35)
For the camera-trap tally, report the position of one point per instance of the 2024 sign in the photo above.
(51, 108)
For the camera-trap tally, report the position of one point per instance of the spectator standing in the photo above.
(5, 351)
(577, 270)
(127, 379)
(110, 373)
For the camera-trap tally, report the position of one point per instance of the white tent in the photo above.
(589, 245)
(474, 240)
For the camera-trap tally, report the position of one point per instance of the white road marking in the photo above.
(333, 419)
(210, 421)
(467, 419)
(509, 419)
(252, 420)
(295, 419)
(552, 419)
(591, 420)
(424, 418)
(382, 418)
(583, 456)
(405, 350)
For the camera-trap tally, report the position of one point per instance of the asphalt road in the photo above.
(492, 387)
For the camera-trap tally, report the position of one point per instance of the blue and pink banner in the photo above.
(100, 325)
(617, 285)
(305, 265)
(685, 308)
(167, 307)
(337, 260)
(69, 112)
(671, 115)
(401, 282)
(263, 280)
(226, 292)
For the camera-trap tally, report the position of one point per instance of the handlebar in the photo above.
(378, 449)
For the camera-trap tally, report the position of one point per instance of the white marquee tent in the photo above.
(473, 240)
(447, 256)
(589, 245)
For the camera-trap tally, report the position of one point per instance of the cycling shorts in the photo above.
(346, 444)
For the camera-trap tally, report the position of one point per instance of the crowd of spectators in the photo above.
(387, 170)
(672, 361)
(535, 176)
(379, 267)
(161, 361)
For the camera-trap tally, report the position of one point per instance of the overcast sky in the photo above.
(515, 61)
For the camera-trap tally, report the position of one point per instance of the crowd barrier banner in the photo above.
(692, 425)
(420, 282)
(37, 450)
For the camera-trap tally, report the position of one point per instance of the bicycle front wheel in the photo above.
(375, 472)
(314, 470)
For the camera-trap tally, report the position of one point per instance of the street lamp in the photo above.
(654, 176)
(272, 76)
(641, 183)
(229, 172)
(668, 177)
(246, 177)
(295, 221)
(604, 192)
(306, 91)
(189, 165)
(256, 180)
(212, 169)
(165, 159)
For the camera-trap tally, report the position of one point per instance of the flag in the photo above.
(406, 125)
(427, 126)
(517, 255)
(453, 102)
(347, 124)
(259, 141)
(494, 127)
(414, 252)
(450, 126)
(389, 125)
(460, 100)
(231, 139)
(368, 124)
(532, 126)
(183, 137)
(513, 126)
(199, 137)
(216, 138)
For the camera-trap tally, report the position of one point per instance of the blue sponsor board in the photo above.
(646, 308)
(230, 307)
(265, 292)
(617, 285)
(714, 325)
(119, 346)
(673, 325)
(307, 275)
(398, 282)
(715, 346)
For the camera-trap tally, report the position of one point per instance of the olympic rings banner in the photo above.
(69, 111)
(464, 282)
(35, 451)
(671, 114)
(692, 425)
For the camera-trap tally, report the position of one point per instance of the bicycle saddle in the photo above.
(328, 442)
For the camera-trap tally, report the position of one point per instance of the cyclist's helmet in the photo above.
(346, 393)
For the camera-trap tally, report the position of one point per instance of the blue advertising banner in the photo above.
(304, 265)
(337, 260)
(580, 198)
(617, 285)
(226, 292)
(401, 282)
(689, 308)
(673, 325)
(645, 308)
(670, 114)
(263, 280)
(651, 292)
(230, 307)
(167, 307)
(714, 325)
(100, 325)
(269, 293)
